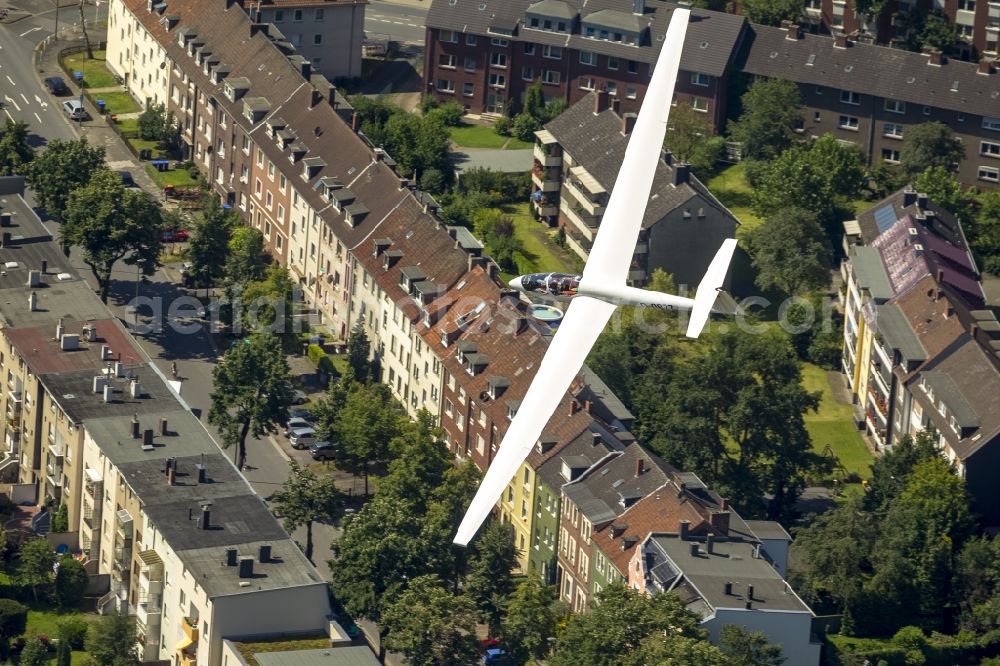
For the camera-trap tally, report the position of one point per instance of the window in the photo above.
(960, 117)
(890, 155)
(630, 92)
(699, 79)
(586, 83)
(550, 76)
(633, 67)
(967, 5)
(892, 130)
(499, 42)
(260, 157)
(468, 89)
(528, 73)
(498, 81)
(297, 15)
(895, 106)
(269, 200)
(448, 37)
(850, 97)
(498, 59)
(244, 173)
(588, 58)
(529, 49)
(447, 61)
(270, 170)
(991, 124)
(319, 14)
(282, 182)
(317, 39)
(700, 104)
(612, 88)
(470, 64)
(989, 148)
(281, 213)
(256, 187)
(246, 144)
(927, 110)
(848, 123)
(552, 52)
(446, 85)
(612, 63)
(989, 174)
(279, 16)
(470, 40)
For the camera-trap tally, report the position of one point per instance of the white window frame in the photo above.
(552, 52)
(551, 77)
(852, 127)
(989, 149)
(700, 79)
(850, 97)
(989, 174)
(588, 58)
(895, 106)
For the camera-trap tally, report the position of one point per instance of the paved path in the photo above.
(508, 161)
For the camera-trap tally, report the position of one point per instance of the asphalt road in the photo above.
(396, 21)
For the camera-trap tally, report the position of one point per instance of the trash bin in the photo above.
(100, 106)
(78, 76)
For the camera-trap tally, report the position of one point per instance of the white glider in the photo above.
(595, 295)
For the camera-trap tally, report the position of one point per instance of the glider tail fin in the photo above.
(709, 290)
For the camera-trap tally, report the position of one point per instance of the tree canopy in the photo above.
(791, 252)
(430, 626)
(208, 249)
(929, 145)
(771, 112)
(112, 224)
(488, 582)
(691, 138)
(15, 151)
(532, 616)
(771, 12)
(305, 498)
(60, 169)
(112, 641)
(34, 565)
(365, 426)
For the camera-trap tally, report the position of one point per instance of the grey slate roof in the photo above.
(553, 8)
(947, 390)
(583, 445)
(712, 37)
(872, 70)
(599, 494)
(596, 143)
(893, 325)
(612, 18)
(869, 271)
(941, 222)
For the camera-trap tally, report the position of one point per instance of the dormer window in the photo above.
(311, 167)
(255, 108)
(355, 214)
(614, 26)
(235, 88)
(409, 276)
(193, 46)
(550, 16)
(170, 22)
(186, 34)
(497, 385)
(210, 64)
(390, 257)
(545, 444)
(381, 245)
(340, 198)
(475, 362)
(512, 407)
(220, 72)
(425, 291)
(297, 150)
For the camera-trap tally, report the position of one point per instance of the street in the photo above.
(400, 21)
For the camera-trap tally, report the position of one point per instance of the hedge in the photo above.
(320, 359)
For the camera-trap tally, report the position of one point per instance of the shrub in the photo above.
(13, 620)
(502, 126)
(450, 114)
(524, 127)
(193, 172)
(71, 582)
(320, 359)
(73, 630)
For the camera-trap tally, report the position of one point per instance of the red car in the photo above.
(175, 236)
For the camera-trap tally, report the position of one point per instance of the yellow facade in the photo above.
(515, 508)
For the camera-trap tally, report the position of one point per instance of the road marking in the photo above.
(41, 102)
(9, 116)
(26, 102)
(28, 32)
(39, 118)
(11, 101)
(11, 80)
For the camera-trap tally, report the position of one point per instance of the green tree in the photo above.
(13, 621)
(613, 630)
(60, 519)
(304, 498)
(871, 9)
(35, 653)
(941, 187)
(820, 179)
(524, 127)
(534, 100)
(73, 631)
(532, 616)
(665, 649)
(771, 112)
(71, 582)
(60, 169)
(15, 151)
(358, 353)
(209, 246)
(488, 582)
(771, 12)
(151, 122)
(64, 654)
(929, 145)
(430, 626)
(245, 261)
(268, 306)
(790, 252)
(691, 138)
(112, 224)
(938, 32)
(986, 231)
(748, 648)
(891, 471)
(328, 409)
(251, 392)
(34, 567)
(369, 420)
(112, 641)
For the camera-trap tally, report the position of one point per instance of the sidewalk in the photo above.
(97, 131)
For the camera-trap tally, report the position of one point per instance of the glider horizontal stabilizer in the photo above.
(711, 285)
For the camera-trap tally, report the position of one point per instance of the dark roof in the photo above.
(41, 350)
(712, 37)
(907, 201)
(74, 393)
(148, 479)
(947, 390)
(892, 324)
(233, 520)
(871, 70)
(603, 493)
(583, 445)
(596, 143)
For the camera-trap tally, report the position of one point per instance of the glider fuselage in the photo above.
(565, 286)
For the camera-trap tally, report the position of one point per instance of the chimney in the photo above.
(639, 7)
(728, 588)
(105, 352)
(230, 557)
(163, 426)
(840, 41)
(616, 105)
(69, 341)
(4, 219)
(638, 467)
(355, 121)
(595, 439)
(667, 156)
(985, 67)
(34, 278)
(99, 384)
(749, 605)
(166, 469)
(710, 543)
(694, 549)
(794, 32)
(922, 201)
(119, 369)
(574, 407)
(135, 427)
(600, 101)
(680, 174)
(206, 522)
(202, 472)
(171, 476)
(587, 405)
(135, 389)
(750, 592)
(264, 553)
(403, 184)
(32, 301)
(628, 123)
(909, 197)
(5, 239)
(719, 521)
(45, 266)
(109, 393)
(147, 437)
(246, 567)
(936, 58)
(682, 529)
(60, 329)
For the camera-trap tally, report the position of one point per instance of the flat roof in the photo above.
(42, 352)
(768, 529)
(74, 392)
(148, 479)
(870, 272)
(353, 655)
(287, 567)
(897, 331)
(187, 437)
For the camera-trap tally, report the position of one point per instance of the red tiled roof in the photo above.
(41, 351)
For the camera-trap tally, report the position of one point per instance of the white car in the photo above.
(296, 424)
(302, 438)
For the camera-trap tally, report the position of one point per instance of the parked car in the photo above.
(128, 181)
(211, 310)
(56, 86)
(302, 438)
(299, 397)
(175, 235)
(75, 110)
(295, 424)
(496, 656)
(322, 451)
(301, 413)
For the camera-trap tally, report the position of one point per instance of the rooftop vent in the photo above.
(69, 341)
(246, 567)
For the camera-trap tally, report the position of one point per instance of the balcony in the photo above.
(54, 474)
(542, 155)
(92, 517)
(57, 450)
(578, 222)
(13, 440)
(544, 179)
(545, 205)
(590, 202)
(190, 627)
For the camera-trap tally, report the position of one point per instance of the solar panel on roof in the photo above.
(885, 217)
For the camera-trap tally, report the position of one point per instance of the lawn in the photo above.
(128, 127)
(95, 72)
(46, 623)
(731, 188)
(117, 102)
(175, 177)
(483, 136)
(540, 253)
(833, 425)
(142, 144)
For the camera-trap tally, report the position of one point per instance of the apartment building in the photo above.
(327, 33)
(485, 60)
(573, 175)
(868, 95)
(977, 22)
(726, 579)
